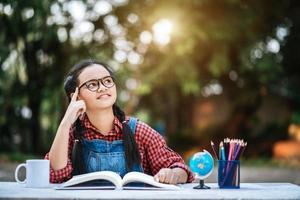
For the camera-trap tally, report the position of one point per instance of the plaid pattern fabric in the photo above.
(155, 154)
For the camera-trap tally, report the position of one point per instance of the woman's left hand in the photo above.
(171, 176)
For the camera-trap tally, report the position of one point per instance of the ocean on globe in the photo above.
(202, 164)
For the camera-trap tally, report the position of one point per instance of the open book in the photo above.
(99, 180)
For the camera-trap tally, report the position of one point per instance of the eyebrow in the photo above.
(95, 79)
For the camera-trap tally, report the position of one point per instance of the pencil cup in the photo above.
(229, 174)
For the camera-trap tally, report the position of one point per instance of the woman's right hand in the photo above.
(75, 108)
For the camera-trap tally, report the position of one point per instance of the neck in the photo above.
(102, 119)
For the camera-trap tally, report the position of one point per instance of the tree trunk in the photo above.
(34, 88)
(35, 128)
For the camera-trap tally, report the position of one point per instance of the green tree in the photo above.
(33, 61)
(213, 41)
(247, 47)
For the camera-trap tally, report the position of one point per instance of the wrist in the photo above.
(65, 123)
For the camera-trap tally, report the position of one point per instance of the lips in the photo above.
(103, 96)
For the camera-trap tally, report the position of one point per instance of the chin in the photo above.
(104, 105)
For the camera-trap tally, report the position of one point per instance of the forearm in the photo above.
(58, 154)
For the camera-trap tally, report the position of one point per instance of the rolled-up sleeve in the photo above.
(159, 155)
(64, 174)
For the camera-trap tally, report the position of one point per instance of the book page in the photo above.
(113, 177)
(145, 178)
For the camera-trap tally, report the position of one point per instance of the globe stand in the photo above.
(202, 165)
(201, 185)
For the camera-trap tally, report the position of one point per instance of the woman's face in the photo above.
(102, 98)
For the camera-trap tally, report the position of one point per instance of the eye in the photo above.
(92, 84)
(108, 80)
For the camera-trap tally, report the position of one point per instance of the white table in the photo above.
(12, 190)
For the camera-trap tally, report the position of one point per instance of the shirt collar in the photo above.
(117, 128)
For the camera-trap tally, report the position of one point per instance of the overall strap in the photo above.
(132, 124)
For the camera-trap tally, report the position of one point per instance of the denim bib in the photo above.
(102, 155)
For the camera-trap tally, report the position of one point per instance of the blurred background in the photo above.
(195, 70)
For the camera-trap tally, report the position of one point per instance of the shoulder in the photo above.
(140, 125)
(146, 134)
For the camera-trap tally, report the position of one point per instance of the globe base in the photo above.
(201, 185)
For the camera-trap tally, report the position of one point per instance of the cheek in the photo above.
(114, 93)
(86, 97)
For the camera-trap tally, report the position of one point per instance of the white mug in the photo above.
(37, 173)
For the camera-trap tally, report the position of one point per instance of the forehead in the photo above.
(94, 71)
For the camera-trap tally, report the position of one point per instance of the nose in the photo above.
(101, 87)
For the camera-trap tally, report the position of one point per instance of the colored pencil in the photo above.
(214, 149)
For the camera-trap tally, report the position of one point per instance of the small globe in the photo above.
(202, 164)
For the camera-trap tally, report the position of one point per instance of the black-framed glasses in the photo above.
(94, 84)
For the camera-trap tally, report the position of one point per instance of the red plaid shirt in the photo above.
(155, 154)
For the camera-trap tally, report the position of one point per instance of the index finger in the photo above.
(75, 95)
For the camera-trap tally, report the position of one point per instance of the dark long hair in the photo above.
(132, 155)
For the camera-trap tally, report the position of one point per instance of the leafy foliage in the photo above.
(246, 48)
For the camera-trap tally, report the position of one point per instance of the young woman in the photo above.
(95, 134)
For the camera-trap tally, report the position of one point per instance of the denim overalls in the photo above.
(100, 155)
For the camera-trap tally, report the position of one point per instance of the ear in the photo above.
(71, 95)
(78, 97)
